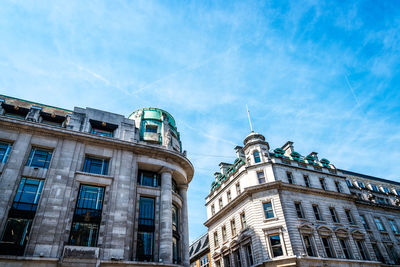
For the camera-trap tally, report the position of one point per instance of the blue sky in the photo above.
(323, 74)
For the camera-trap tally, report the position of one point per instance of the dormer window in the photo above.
(385, 189)
(151, 128)
(256, 155)
(361, 184)
(52, 119)
(15, 111)
(374, 188)
(102, 128)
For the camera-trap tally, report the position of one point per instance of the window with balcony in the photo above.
(299, 210)
(306, 180)
(256, 156)
(145, 242)
(317, 213)
(148, 178)
(5, 149)
(95, 165)
(87, 216)
(268, 211)
(334, 215)
(18, 225)
(39, 158)
(261, 177)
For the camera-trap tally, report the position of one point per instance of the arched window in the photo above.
(256, 155)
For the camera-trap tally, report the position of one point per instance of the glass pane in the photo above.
(16, 231)
(90, 197)
(146, 211)
(145, 246)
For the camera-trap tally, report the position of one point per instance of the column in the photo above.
(165, 253)
(185, 227)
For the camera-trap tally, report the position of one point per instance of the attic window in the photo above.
(102, 128)
(15, 111)
(52, 119)
(151, 128)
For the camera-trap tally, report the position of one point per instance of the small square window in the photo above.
(39, 158)
(96, 165)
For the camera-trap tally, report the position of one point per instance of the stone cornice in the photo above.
(58, 132)
(279, 185)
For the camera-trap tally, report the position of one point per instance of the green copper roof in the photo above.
(155, 114)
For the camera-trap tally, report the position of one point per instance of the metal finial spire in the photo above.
(248, 114)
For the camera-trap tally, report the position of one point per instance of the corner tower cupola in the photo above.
(256, 149)
(157, 126)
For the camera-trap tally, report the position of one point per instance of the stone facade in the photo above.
(68, 156)
(278, 208)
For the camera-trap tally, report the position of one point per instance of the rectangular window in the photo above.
(102, 128)
(174, 186)
(216, 243)
(212, 209)
(349, 183)
(338, 187)
(374, 188)
(392, 254)
(249, 255)
(204, 262)
(39, 158)
(393, 226)
(276, 247)
(385, 189)
(345, 248)
(299, 210)
(238, 188)
(309, 247)
(145, 243)
(87, 216)
(96, 165)
(334, 216)
(327, 247)
(349, 216)
(233, 227)
(317, 213)
(361, 184)
(362, 250)
(261, 177)
(20, 217)
(289, 176)
(307, 180)
(236, 257)
(378, 253)
(175, 251)
(243, 220)
(175, 219)
(5, 149)
(151, 128)
(217, 263)
(268, 211)
(148, 178)
(229, 196)
(227, 262)
(379, 224)
(223, 230)
(221, 204)
(256, 155)
(146, 211)
(364, 222)
(322, 182)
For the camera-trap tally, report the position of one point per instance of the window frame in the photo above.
(299, 210)
(7, 150)
(350, 217)
(87, 165)
(290, 177)
(233, 227)
(272, 247)
(261, 177)
(334, 215)
(317, 212)
(311, 245)
(31, 159)
(307, 181)
(243, 222)
(268, 209)
(322, 182)
(256, 156)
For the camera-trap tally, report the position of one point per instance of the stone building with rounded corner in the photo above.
(279, 208)
(86, 187)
